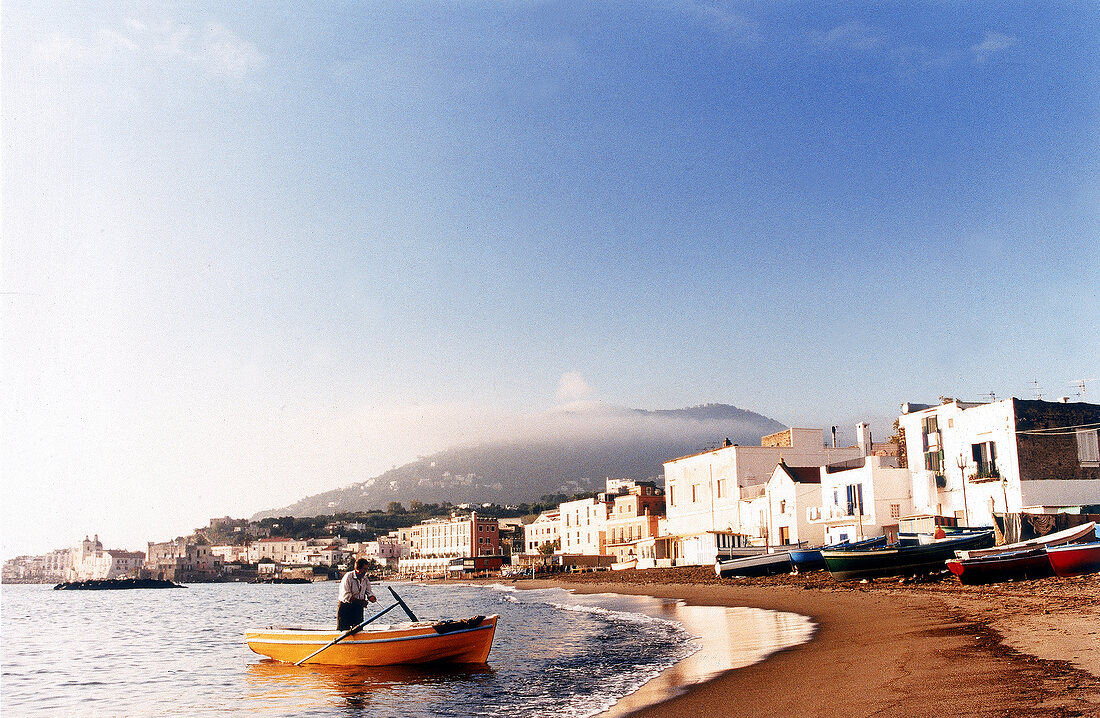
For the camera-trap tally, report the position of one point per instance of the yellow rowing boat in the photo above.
(466, 641)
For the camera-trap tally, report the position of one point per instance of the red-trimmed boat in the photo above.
(1074, 559)
(1028, 563)
(1083, 532)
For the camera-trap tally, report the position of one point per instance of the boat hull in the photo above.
(810, 559)
(1031, 563)
(1074, 559)
(847, 565)
(1082, 532)
(763, 565)
(399, 644)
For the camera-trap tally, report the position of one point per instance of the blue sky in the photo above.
(253, 251)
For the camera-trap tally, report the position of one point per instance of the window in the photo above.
(721, 488)
(694, 493)
(930, 432)
(985, 456)
(895, 511)
(855, 499)
(671, 495)
(933, 461)
(1088, 447)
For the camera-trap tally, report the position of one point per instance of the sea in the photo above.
(180, 652)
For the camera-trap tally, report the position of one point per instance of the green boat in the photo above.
(848, 564)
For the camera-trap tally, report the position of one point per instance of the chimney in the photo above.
(834, 437)
(863, 438)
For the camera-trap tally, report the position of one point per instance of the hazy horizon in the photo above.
(256, 251)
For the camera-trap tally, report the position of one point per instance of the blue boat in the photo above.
(810, 559)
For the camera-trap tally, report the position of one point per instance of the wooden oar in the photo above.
(409, 613)
(350, 631)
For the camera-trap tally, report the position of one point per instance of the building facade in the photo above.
(864, 501)
(584, 527)
(791, 491)
(703, 491)
(543, 531)
(970, 460)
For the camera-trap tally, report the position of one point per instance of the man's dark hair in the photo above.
(361, 563)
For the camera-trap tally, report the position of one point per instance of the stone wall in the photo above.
(1053, 455)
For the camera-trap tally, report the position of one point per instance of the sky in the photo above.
(253, 251)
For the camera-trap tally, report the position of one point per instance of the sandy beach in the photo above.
(885, 648)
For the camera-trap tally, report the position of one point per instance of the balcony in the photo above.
(985, 475)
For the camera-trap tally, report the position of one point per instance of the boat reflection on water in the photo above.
(285, 689)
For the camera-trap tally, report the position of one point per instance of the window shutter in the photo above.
(1088, 447)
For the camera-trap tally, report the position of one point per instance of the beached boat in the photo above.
(1070, 535)
(847, 564)
(764, 564)
(1026, 563)
(810, 559)
(466, 641)
(1074, 559)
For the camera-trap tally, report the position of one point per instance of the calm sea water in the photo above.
(180, 652)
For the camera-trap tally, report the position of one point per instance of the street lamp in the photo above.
(961, 463)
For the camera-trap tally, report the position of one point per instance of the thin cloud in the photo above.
(722, 22)
(214, 49)
(853, 35)
(993, 43)
(572, 386)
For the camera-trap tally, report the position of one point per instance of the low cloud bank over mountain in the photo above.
(568, 450)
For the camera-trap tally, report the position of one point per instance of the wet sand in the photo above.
(886, 648)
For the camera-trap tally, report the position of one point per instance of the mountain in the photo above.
(569, 450)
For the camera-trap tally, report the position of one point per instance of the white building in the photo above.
(546, 529)
(791, 492)
(863, 501)
(703, 491)
(277, 549)
(584, 527)
(90, 561)
(970, 460)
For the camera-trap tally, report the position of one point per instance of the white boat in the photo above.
(1070, 535)
(764, 564)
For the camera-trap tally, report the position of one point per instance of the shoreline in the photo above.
(1027, 648)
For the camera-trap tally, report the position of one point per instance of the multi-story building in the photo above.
(277, 549)
(543, 531)
(436, 544)
(322, 554)
(512, 536)
(181, 560)
(636, 511)
(790, 492)
(703, 491)
(971, 460)
(229, 553)
(89, 561)
(862, 499)
(584, 527)
(52, 567)
(457, 536)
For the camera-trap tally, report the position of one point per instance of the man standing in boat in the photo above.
(355, 594)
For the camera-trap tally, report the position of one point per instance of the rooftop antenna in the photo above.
(992, 397)
(1081, 389)
(1038, 392)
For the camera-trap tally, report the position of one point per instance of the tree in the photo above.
(898, 439)
(395, 507)
(548, 548)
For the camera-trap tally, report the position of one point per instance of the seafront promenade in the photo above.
(886, 648)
